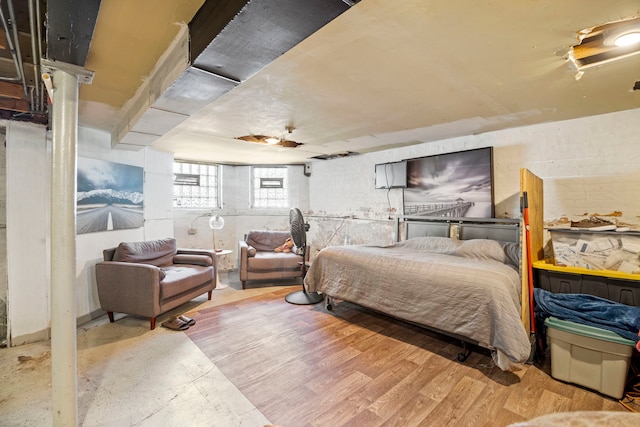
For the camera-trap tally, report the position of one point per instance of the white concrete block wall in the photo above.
(158, 214)
(158, 202)
(589, 166)
(3, 236)
(28, 224)
(238, 214)
(28, 230)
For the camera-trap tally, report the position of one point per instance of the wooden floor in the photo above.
(305, 366)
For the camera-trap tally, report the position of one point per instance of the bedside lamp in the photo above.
(216, 223)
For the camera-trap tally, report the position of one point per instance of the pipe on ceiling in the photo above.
(14, 29)
(43, 98)
(11, 48)
(219, 76)
(35, 54)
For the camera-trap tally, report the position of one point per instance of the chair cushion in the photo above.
(266, 240)
(274, 261)
(179, 279)
(194, 259)
(155, 252)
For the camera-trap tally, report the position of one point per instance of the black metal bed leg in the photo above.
(328, 303)
(464, 354)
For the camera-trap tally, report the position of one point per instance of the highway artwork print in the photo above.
(110, 196)
(456, 184)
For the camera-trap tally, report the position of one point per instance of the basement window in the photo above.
(271, 182)
(186, 179)
(270, 187)
(196, 185)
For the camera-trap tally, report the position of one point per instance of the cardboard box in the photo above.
(588, 356)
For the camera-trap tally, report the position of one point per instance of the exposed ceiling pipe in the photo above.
(39, 37)
(14, 28)
(11, 48)
(219, 76)
(34, 55)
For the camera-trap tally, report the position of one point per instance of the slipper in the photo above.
(188, 320)
(176, 324)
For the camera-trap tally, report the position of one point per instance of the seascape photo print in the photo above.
(453, 185)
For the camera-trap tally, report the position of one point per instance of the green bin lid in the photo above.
(586, 331)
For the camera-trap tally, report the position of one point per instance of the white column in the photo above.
(64, 378)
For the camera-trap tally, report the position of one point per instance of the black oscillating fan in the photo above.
(299, 235)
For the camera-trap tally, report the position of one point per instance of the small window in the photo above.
(271, 182)
(196, 185)
(186, 179)
(270, 187)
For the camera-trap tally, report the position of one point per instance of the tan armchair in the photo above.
(149, 278)
(257, 259)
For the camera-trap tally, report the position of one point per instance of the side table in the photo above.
(220, 253)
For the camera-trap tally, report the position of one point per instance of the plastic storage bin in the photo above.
(588, 356)
(598, 250)
(612, 285)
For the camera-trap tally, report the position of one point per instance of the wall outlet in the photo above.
(307, 169)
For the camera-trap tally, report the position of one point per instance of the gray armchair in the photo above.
(149, 278)
(257, 259)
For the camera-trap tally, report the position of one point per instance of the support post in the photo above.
(64, 378)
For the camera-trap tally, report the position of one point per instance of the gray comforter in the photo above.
(467, 288)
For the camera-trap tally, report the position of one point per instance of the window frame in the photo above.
(282, 201)
(218, 185)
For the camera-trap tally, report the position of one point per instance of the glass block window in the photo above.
(196, 185)
(270, 187)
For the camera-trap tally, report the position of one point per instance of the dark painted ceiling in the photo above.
(229, 42)
(69, 29)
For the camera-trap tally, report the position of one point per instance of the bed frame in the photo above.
(507, 230)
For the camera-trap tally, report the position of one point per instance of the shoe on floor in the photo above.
(188, 320)
(176, 324)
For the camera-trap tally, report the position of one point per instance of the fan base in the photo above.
(303, 298)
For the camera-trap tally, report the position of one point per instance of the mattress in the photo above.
(466, 288)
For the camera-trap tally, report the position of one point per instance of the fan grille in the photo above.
(298, 232)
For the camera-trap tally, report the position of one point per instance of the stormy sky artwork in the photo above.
(439, 185)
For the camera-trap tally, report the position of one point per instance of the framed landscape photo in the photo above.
(456, 184)
(110, 196)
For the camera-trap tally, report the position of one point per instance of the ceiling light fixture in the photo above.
(627, 39)
(263, 139)
(273, 140)
(622, 33)
(605, 43)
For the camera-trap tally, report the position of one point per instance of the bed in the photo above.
(468, 287)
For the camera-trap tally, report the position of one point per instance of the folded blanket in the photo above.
(589, 310)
